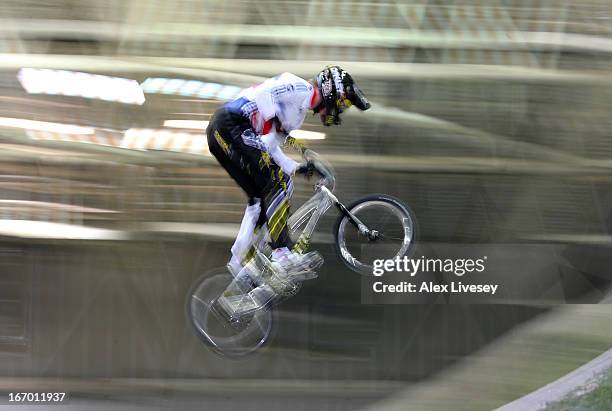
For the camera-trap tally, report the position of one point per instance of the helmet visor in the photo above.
(356, 96)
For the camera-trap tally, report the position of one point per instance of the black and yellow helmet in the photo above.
(338, 92)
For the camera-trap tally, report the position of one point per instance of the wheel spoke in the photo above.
(383, 216)
(215, 331)
(386, 237)
(383, 220)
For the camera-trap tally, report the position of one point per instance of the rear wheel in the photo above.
(228, 339)
(394, 222)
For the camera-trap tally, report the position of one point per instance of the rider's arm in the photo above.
(273, 141)
(296, 144)
(271, 144)
(286, 105)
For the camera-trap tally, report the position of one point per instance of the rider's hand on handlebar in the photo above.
(306, 169)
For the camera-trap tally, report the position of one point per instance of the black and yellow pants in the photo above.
(253, 170)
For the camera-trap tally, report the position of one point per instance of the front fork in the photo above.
(372, 235)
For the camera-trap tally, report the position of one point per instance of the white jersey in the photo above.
(285, 98)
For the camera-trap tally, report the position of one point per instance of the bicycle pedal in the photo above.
(317, 261)
(313, 261)
(302, 275)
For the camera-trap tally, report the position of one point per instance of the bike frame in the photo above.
(315, 207)
(306, 216)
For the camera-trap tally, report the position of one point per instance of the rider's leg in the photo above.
(276, 205)
(222, 135)
(289, 266)
(257, 174)
(245, 235)
(274, 214)
(259, 177)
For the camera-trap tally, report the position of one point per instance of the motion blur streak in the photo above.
(491, 119)
(69, 83)
(44, 126)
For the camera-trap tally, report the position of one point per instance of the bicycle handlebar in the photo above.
(322, 168)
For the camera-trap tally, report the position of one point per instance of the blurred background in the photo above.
(490, 119)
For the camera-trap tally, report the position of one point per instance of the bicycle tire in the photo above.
(400, 210)
(236, 346)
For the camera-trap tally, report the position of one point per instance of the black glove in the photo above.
(306, 169)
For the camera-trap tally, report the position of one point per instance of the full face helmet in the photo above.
(338, 92)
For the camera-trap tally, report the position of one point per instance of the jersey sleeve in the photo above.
(287, 164)
(272, 144)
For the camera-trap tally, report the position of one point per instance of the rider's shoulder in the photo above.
(288, 77)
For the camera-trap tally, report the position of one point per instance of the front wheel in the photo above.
(396, 226)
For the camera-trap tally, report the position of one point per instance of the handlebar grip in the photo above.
(326, 177)
(326, 174)
(309, 155)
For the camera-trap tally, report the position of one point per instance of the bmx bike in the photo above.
(374, 227)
